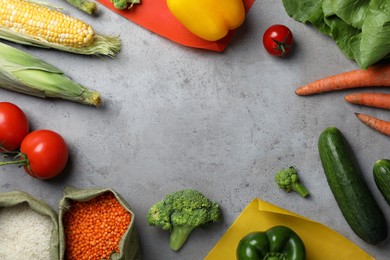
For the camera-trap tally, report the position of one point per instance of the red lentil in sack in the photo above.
(96, 224)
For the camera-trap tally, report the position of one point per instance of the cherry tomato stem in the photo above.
(22, 162)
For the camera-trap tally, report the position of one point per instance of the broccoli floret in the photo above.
(181, 212)
(123, 4)
(288, 180)
(84, 5)
(119, 4)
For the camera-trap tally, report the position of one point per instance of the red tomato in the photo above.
(14, 126)
(46, 153)
(278, 40)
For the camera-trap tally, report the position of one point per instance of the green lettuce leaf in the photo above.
(352, 12)
(307, 11)
(375, 41)
(360, 28)
(346, 36)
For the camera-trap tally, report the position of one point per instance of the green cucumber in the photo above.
(354, 198)
(382, 177)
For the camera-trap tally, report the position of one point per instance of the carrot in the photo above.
(379, 100)
(375, 76)
(94, 228)
(375, 123)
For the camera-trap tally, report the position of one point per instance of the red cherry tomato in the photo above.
(46, 153)
(14, 126)
(278, 40)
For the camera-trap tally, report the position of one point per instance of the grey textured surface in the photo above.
(222, 123)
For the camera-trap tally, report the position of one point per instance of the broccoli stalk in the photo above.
(288, 180)
(179, 235)
(181, 212)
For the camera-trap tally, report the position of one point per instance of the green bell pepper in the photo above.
(277, 243)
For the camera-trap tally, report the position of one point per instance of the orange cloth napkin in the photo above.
(155, 16)
(321, 242)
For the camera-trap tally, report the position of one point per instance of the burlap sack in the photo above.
(14, 198)
(128, 245)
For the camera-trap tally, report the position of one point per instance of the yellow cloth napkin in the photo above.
(321, 242)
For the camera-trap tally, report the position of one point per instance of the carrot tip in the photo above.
(300, 92)
(375, 123)
(363, 117)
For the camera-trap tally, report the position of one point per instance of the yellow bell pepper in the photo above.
(208, 19)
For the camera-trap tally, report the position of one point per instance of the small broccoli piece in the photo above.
(288, 180)
(123, 4)
(181, 212)
(120, 4)
(84, 5)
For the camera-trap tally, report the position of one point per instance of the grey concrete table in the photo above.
(223, 123)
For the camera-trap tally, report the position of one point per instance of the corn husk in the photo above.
(23, 73)
(129, 243)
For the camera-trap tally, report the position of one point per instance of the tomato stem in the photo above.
(282, 45)
(22, 162)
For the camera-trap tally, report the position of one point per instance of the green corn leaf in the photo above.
(23, 73)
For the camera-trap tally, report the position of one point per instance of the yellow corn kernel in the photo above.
(45, 24)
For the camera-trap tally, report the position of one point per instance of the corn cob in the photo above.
(29, 23)
(23, 73)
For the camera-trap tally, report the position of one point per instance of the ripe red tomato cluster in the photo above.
(278, 40)
(43, 153)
